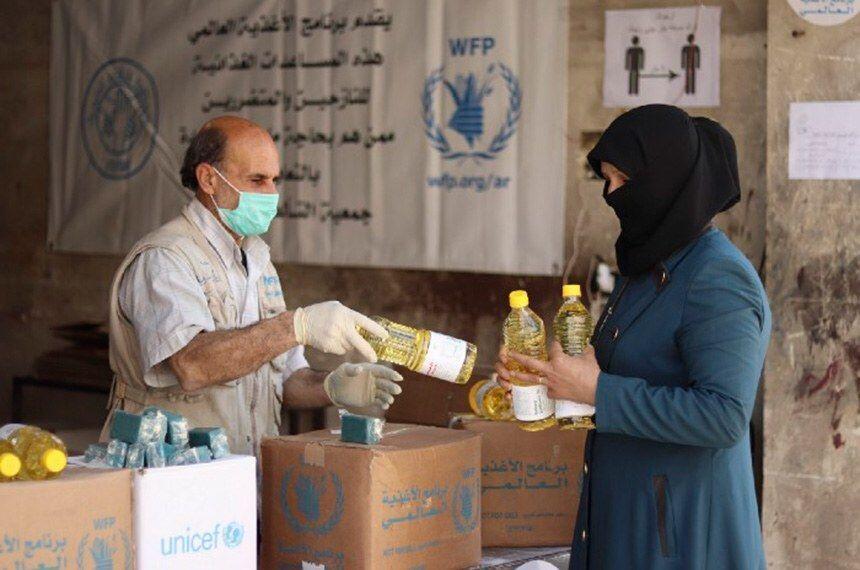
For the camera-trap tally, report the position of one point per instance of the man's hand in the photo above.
(360, 385)
(331, 327)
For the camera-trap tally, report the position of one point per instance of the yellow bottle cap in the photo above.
(10, 465)
(518, 299)
(54, 460)
(571, 291)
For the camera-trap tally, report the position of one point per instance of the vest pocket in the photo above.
(665, 518)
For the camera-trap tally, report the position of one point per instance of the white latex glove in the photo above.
(360, 385)
(330, 327)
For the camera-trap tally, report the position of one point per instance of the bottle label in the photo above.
(531, 403)
(571, 409)
(445, 357)
(7, 430)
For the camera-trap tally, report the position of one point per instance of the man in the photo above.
(198, 324)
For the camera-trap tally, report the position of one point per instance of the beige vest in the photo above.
(248, 408)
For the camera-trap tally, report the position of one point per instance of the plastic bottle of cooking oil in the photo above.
(43, 455)
(489, 400)
(572, 327)
(524, 333)
(425, 352)
(10, 463)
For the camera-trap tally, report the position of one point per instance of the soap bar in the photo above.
(361, 429)
(155, 421)
(95, 452)
(213, 438)
(136, 456)
(177, 432)
(158, 454)
(116, 453)
(177, 426)
(126, 427)
(191, 456)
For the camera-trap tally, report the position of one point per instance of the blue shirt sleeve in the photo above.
(721, 344)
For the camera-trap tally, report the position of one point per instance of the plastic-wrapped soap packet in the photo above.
(116, 453)
(191, 456)
(95, 452)
(136, 456)
(154, 426)
(156, 454)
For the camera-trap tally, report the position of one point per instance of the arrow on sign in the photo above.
(670, 76)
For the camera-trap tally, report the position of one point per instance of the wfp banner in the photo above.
(420, 134)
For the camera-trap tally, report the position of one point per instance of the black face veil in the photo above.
(682, 172)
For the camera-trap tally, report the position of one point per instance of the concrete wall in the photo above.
(812, 427)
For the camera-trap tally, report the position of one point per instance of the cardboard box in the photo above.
(197, 516)
(412, 501)
(82, 519)
(429, 401)
(530, 483)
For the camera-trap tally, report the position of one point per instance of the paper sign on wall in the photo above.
(668, 55)
(824, 140)
(825, 12)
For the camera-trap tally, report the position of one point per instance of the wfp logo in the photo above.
(105, 547)
(192, 542)
(311, 499)
(119, 118)
(471, 131)
(464, 507)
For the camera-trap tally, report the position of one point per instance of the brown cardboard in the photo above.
(80, 520)
(411, 501)
(530, 483)
(432, 402)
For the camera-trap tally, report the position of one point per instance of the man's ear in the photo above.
(205, 178)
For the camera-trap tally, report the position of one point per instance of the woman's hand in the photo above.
(566, 377)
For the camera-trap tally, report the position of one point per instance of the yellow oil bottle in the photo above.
(489, 400)
(524, 332)
(426, 352)
(43, 455)
(10, 463)
(572, 328)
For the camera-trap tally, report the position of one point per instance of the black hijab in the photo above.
(682, 172)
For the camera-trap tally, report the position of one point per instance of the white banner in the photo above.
(421, 134)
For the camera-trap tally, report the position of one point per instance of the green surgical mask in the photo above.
(252, 215)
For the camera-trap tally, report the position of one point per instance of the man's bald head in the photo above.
(226, 139)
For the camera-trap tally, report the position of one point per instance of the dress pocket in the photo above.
(664, 515)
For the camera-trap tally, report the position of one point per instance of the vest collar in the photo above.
(256, 250)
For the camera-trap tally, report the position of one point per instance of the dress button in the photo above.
(584, 536)
(615, 333)
(585, 468)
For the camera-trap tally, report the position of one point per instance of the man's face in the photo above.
(251, 164)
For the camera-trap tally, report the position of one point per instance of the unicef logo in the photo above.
(119, 118)
(464, 507)
(471, 93)
(311, 499)
(233, 534)
(104, 551)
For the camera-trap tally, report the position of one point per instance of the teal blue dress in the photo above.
(667, 480)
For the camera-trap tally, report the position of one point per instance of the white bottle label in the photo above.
(571, 409)
(445, 357)
(7, 430)
(531, 403)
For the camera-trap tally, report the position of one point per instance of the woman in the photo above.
(676, 358)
